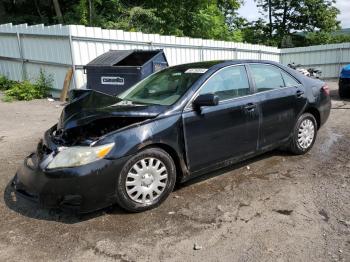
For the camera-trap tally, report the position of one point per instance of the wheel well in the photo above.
(171, 151)
(313, 111)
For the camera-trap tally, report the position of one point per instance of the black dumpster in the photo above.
(117, 70)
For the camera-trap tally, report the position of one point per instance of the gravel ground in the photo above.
(276, 207)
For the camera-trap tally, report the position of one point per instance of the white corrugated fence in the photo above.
(24, 50)
(330, 58)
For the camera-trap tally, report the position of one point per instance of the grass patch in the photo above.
(26, 90)
(7, 99)
(5, 83)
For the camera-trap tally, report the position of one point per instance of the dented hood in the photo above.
(87, 106)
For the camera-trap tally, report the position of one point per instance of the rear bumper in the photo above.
(83, 189)
(325, 109)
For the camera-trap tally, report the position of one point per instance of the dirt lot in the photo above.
(276, 207)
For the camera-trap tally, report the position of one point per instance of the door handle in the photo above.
(250, 107)
(300, 93)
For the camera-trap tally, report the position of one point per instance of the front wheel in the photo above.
(146, 180)
(304, 134)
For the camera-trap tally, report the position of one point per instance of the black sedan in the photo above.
(174, 125)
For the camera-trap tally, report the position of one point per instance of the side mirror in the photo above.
(206, 100)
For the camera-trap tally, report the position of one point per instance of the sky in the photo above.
(250, 11)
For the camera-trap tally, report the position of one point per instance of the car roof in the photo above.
(222, 63)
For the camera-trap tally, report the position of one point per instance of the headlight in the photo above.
(79, 155)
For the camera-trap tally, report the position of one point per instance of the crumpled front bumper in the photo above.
(83, 189)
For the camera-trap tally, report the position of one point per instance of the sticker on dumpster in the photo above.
(112, 80)
(196, 71)
(159, 66)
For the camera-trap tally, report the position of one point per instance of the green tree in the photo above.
(290, 16)
(321, 38)
(215, 19)
(257, 32)
(210, 23)
(287, 41)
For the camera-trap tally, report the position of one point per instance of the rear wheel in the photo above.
(304, 134)
(343, 92)
(146, 180)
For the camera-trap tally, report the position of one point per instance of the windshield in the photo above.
(164, 87)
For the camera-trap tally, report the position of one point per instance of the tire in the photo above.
(301, 145)
(141, 175)
(343, 92)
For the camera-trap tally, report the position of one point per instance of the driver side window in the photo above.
(230, 82)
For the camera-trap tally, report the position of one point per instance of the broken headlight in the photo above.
(79, 155)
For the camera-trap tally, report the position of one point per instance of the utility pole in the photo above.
(270, 17)
(58, 12)
(90, 12)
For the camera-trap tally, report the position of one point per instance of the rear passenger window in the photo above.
(266, 77)
(289, 80)
(228, 83)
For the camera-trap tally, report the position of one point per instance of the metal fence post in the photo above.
(340, 55)
(72, 58)
(151, 47)
(201, 57)
(20, 51)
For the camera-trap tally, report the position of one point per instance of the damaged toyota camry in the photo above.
(176, 124)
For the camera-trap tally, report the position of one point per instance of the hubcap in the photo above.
(306, 134)
(146, 180)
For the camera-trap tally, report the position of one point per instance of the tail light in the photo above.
(325, 89)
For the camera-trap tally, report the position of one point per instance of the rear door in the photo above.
(230, 129)
(281, 99)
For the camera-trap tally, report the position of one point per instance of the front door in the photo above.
(217, 133)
